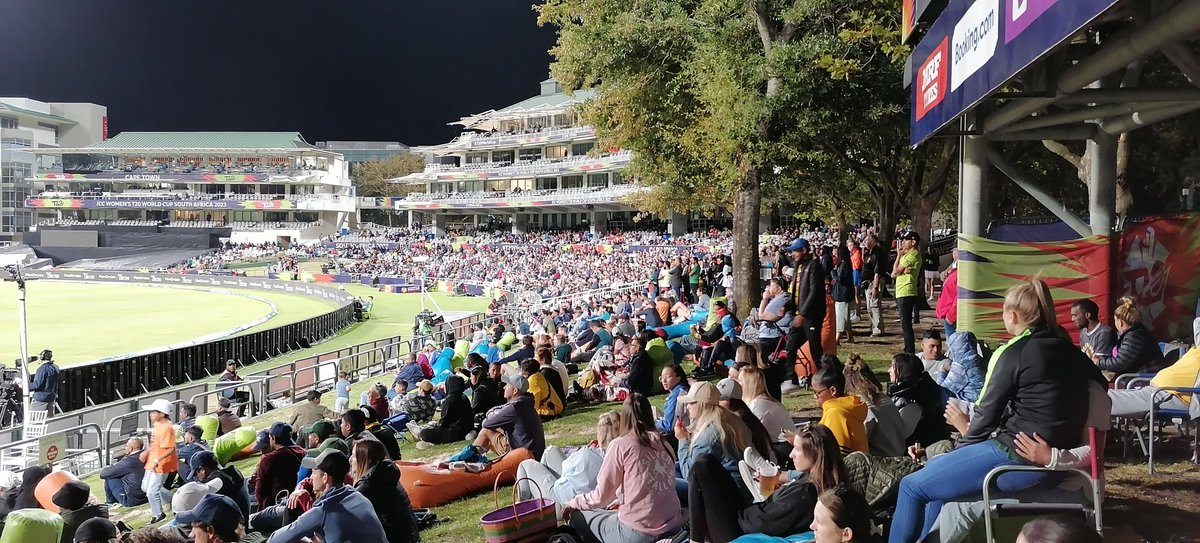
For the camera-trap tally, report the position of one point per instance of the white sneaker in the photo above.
(422, 445)
(755, 460)
(415, 429)
(788, 388)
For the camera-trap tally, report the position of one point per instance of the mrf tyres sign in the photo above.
(962, 59)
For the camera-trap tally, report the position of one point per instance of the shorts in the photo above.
(857, 275)
(930, 274)
(340, 405)
(842, 312)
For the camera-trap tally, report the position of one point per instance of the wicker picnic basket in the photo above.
(529, 521)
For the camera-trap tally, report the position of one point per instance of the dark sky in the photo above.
(394, 70)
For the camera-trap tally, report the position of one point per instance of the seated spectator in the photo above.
(484, 392)
(633, 500)
(562, 477)
(96, 530)
(640, 369)
(886, 432)
(546, 401)
(556, 379)
(76, 505)
(845, 416)
(421, 405)
(385, 435)
(227, 420)
(1094, 336)
(183, 500)
(279, 465)
(523, 353)
(214, 520)
(426, 358)
(397, 405)
(310, 411)
(193, 442)
(731, 399)
(775, 418)
(1136, 350)
(722, 340)
(919, 399)
(1182, 374)
(8, 493)
(457, 418)
(515, 424)
(315, 449)
(562, 348)
(600, 338)
(713, 431)
(227, 481)
(378, 480)
(1058, 530)
(30, 477)
(841, 516)
(339, 513)
(377, 399)
(410, 371)
(1038, 384)
(932, 358)
(123, 479)
(962, 379)
(675, 383)
(720, 512)
(187, 416)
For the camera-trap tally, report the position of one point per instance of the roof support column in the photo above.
(520, 223)
(677, 224)
(439, 224)
(1102, 184)
(599, 222)
(974, 203)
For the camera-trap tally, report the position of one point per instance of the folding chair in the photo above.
(1191, 415)
(33, 427)
(1094, 474)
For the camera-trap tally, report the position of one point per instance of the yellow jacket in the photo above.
(1181, 374)
(545, 400)
(846, 417)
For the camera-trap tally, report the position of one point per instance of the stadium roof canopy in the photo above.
(550, 104)
(224, 143)
(29, 113)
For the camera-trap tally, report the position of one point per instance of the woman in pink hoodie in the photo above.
(634, 500)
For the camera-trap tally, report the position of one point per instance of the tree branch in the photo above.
(762, 19)
(1062, 151)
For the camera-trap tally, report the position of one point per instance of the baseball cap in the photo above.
(217, 511)
(516, 381)
(799, 244)
(322, 428)
(188, 497)
(204, 459)
(282, 432)
(729, 389)
(909, 234)
(262, 442)
(8, 480)
(160, 405)
(332, 462)
(701, 393)
(329, 444)
(96, 529)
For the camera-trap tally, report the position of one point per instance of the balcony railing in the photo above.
(582, 195)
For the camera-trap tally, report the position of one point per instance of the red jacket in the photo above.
(277, 471)
(947, 304)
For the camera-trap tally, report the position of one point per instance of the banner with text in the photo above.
(155, 203)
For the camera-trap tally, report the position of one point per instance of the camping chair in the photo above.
(24, 456)
(1094, 474)
(1158, 416)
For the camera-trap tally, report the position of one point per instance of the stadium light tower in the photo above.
(16, 273)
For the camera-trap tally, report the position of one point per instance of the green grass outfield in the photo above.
(82, 322)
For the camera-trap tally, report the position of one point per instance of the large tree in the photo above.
(370, 179)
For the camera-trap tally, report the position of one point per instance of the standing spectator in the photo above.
(930, 265)
(905, 272)
(841, 288)
(227, 421)
(160, 458)
(342, 391)
(856, 273)
(123, 479)
(875, 268)
(310, 411)
(947, 304)
(693, 282)
(808, 297)
(339, 513)
(1094, 336)
(228, 381)
(43, 388)
(378, 480)
(193, 442)
(214, 520)
(279, 466)
(515, 424)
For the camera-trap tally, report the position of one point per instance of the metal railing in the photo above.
(80, 449)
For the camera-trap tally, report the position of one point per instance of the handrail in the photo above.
(69, 453)
(108, 430)
(234, 386)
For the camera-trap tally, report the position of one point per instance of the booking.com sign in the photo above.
(962, 59)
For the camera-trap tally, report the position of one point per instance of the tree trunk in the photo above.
(887, 220)
(839, 218)
(747, 265)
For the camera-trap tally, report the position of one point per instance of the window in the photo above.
(547, 183)
(8, 122)
(617, 179)
(582, 148)
(531, 154)
(480, 157)
(572, 182)
(502, 156)
(597, 180)
(556, 151)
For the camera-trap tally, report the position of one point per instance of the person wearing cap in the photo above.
(193, 442)
(807, 296)
(229, 378)
(714, 430)
(9, 482)
(215, 519)
(516, 420)
(43, 387)
(339, 513)
(183, 500)
(310, 411)
(905, 271)
(160, 457)
(227, 421)
(317, 432)
(420, 405)
(96, 530)
(227, 481)
(123, 479)
(279, 466)
(76, 505)
(314, 449)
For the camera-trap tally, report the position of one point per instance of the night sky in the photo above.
(391, 70)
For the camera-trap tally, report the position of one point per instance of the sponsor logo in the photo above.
(975, 39)
(931, 80)
(142, 177)
(1021, 14)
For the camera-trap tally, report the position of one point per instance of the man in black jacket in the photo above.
(808, 295)
(123, 479)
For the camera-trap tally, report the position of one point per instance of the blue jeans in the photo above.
(114, 492)
(953, 476)
(152, 484)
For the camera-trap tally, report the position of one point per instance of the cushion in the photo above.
(428, 486)
(48, 487)
(461, 349)
(507, 341)
(26, 525)
(232, 443)
(209, 424)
